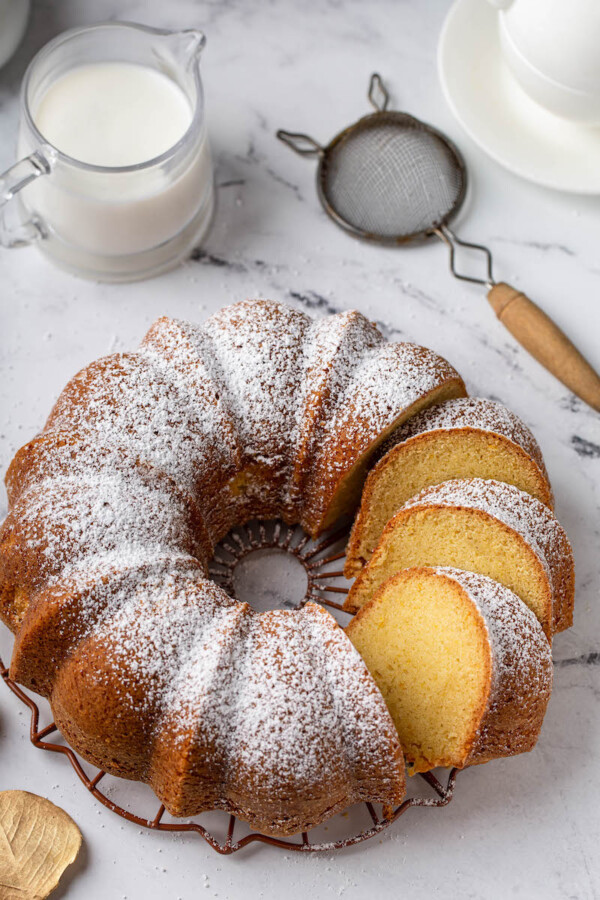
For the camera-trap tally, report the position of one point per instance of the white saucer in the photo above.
(498, 115)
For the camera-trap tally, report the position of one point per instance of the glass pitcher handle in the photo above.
(11, 182)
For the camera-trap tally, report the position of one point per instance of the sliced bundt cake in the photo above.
(463, 664)
(467, 437)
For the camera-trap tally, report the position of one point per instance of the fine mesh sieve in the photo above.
(391, 178)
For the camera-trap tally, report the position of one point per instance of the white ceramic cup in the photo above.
(552, 47)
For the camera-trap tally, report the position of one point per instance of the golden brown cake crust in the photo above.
(42, 533)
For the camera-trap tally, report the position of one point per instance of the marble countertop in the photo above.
(525, 827)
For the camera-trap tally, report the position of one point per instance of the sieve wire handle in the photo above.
(300, 143)
(304, 145)
(530, 325)
(541, 337)
(378, 94)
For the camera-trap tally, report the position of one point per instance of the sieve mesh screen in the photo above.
(392, 177)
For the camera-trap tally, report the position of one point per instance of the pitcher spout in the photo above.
(186, 46)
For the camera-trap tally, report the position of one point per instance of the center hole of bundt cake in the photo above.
(270, 579)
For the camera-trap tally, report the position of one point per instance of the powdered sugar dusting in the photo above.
(259, 346)
(386, 382)
(64, 520)
(183, 352)
(389, 378)
(149, 638)
(276, 686)
(126, 401)
(334, 348)
(86, 595)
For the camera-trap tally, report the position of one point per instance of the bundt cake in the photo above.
(467, 437)
(481, 526)
(464, 666)
(147, 460)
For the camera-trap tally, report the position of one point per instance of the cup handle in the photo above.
(11, 182)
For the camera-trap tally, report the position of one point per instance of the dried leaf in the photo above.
(38, 840)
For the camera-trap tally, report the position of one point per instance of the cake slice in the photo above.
(463, 665)
(467, 437)
(480, 526)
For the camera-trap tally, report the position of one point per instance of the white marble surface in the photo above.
(526, 827)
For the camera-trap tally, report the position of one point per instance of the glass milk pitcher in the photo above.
(110, 223)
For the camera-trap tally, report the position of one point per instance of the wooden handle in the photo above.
(536, 331)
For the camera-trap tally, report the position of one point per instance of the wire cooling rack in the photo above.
(322, 565)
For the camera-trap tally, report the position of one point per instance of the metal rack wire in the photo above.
(321, 581)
